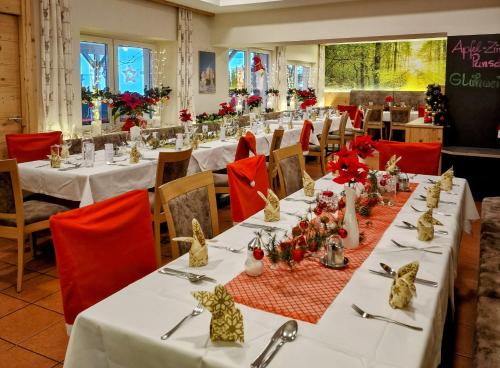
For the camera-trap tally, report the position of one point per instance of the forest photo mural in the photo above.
(386, 65)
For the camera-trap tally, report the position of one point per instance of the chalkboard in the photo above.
(473, 90)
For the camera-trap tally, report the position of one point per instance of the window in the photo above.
(118, 65)
(298, 75)
(237, 69)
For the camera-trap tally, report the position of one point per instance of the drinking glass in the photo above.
(388, 186)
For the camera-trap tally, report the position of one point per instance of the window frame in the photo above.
(245, 76)
(303, 64)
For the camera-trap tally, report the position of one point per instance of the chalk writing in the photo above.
(480, 54)
(473, 81)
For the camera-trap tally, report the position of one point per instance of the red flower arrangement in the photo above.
(389, 98)
(350, 170)
(226, 109)
(185, 116)
(309, 102)
(254, 101)
(306, 97)
(134, 106)
(364, 146)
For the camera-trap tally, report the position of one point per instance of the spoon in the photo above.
(288, 334)
(394, 273)
(436, 212)
(190, 276)
(415, 248)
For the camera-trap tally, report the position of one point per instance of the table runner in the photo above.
(305, 292)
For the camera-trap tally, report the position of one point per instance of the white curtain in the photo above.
(57, 89)
(185, 60)
(320, 86)
(280, 81)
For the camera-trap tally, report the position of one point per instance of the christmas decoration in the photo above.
(436, 109)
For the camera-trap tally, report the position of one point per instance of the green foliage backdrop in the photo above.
(402, 65)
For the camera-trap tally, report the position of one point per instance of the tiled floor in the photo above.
(32, 331)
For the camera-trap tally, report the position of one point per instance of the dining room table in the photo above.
(124, 329)
(86, 185)
(386, 115)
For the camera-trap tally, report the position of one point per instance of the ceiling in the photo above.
(232, 6)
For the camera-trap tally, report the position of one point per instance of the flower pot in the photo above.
(350, 220)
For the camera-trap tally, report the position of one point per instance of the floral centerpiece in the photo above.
(306, 97)
(226, 110)
(254, 102)
(133, 106)
(207, 118)
(185, 117)
(389, 100)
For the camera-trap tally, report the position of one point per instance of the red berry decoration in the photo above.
(303, 224)
(258, 254)
(341, 203)
(318, 211)
(328, 193)
(343, 233)
(297, 255)
(383, 182)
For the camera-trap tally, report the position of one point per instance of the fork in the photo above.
(363, 314)
(196, 311)
(449, 193)
(434, 182)
(436, 212)
(424, 198)
(234, 250)
(415, 248)
(413, 227)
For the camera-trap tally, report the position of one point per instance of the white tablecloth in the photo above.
(124, 329)
(89, 185)
(386, 115)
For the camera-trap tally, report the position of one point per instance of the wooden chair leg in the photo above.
(390, 134)
(322, 160)
(20, 262)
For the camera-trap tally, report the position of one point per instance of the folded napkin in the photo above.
(135, 155)
(227, 321)
(433, 194)
(403, 287)
(198, 253)
(272, 208)
(425, 226)
(447, 180)
(391, 166)
(308, 184)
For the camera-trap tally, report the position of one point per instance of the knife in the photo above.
(264, 227)
(188, 273)
(417, 280)
(260, 358)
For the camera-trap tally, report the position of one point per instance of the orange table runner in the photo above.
(308, 290)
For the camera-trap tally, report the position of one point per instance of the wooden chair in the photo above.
(20, 219)
(291, 165)
(271, 166)
(321, 151)
(364, 129)
(400, 116)
(376, 119)
(185, 199)
(171, 166)
(339, 136)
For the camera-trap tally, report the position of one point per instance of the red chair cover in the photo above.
(416, 158)
(31, 147)
(351, 110)
(305, 134)
(246, 144)
(102, 248)
(421, 111)
(244, 198)
(358, 118)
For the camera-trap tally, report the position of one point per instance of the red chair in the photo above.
(351, 110)
(102, 248)
(305, 135)
(416, 158)
(31, 147)
(246, 144)
(358, 119)
(245, 178)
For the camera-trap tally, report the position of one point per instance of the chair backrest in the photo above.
(102, 248)
(351, 110)
(172, 166)
(185, 199)
(416, 158)
(368, 116)
(115, 138)
(290, 163)
(246, 144)
(377, 115)
(305, 134)
(400, 115)
(245, 178)
(323, 140)
(343, 124)
(275, 144)
(31, 147)
(358, 119)
(11, 197)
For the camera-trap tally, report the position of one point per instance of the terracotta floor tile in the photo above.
(52, 302)
(462, 362)
(35, 289)
(51, 342)
(4, 345)
(22, 358)
(464, 338)
(53, 272)
(26, 322)
(9, 304)
(8, 275)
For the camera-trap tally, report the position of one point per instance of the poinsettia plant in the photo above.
(133, 105)
(389, 98)
(350, 169)
(185, 116)
(254, 101)
(364, 146)
(226, 109)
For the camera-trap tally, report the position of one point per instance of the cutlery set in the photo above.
(363, 314)
(434, 182)
(263, 227)
(434, 212)
(229, 249)
(192, 277)
(286, 333)
(424, 198)
(74, 167)
(410, 226)
(308, 201)
(416, 248)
